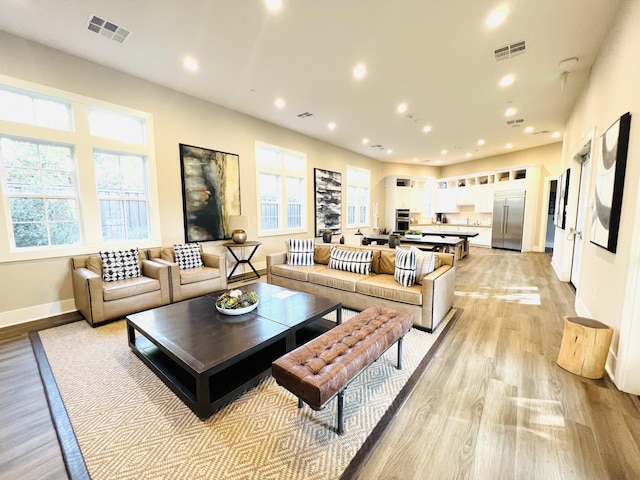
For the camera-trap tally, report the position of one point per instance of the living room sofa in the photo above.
(100, 301)
(428, 302)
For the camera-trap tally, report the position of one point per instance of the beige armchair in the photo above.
(192, 282)
(99, 301)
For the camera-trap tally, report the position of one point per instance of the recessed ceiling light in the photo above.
(426, 128)
(332, 126)
(468, 155)
(496, 17)
(510, 112)
(359, 71)
(402, 108)
(528, 130)
(480, 142)
(555, 135)
(365, 141)
(273, 5)
(508, 145)
(415, 159)
(506, 80)
(190, 64)
(443, 152)
(279, 103)
(389, 151)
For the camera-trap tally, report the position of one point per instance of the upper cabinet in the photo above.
(478, 189)
(413, 193)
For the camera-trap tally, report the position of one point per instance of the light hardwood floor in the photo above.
(493, 404)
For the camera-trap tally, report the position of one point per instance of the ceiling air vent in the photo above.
(509, 51)
(305, 115)
(515, 123)
(378, 147)
(541, 132)
(108, 29)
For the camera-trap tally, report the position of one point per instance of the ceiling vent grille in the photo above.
(515, 123)
(108, 29)
(541, 132)
(378, 147)
(510, 51)
(305, 115)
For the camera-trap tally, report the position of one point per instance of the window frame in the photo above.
(83, 144)
(284, 174)
(351, 182)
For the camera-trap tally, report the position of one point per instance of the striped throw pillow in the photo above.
(351, 261)
(405, 273)
(301, 251)
(425, 262)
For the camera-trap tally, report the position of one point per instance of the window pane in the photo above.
(120, 179)
(27, 209)
(294, 163)
(25, 107)
(30, 234)
(117, 126)
(267, 157)
(65, 233)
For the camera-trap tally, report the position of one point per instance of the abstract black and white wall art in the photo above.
(210, 192)
(610, 164)
(328, 199)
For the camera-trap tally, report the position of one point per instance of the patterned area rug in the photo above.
(129, 425)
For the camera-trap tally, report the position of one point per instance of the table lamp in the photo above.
(238, 224)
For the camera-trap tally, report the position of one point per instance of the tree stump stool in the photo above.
(585, 346)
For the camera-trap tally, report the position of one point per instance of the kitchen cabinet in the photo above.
(483, 239)
(446, 200)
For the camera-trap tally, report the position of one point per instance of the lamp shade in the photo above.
(238, 222)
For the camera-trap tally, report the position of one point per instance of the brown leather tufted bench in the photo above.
(322, 368)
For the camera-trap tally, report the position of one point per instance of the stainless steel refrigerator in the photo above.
(508, 219)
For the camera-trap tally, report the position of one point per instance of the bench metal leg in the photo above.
(340, 412)
(400, 353)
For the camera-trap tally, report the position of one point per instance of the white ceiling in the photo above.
(437, 56)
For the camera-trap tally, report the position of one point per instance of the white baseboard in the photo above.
(29, 314)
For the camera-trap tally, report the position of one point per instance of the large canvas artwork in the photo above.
(328, 196)
(611, 165)
(210, 192)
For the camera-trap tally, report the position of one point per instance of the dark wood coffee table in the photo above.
(208, 358)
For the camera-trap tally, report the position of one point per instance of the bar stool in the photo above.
(585, 346)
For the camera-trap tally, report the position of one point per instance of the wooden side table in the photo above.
(585, 346)
(243, 259)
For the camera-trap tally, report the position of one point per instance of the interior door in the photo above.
(578, 241)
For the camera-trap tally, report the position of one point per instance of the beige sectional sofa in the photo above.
(428, 302)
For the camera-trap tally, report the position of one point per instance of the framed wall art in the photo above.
(210, 192)
(611, 164)
(328, 201)
(562, 195)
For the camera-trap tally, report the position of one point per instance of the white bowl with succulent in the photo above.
(237, 302)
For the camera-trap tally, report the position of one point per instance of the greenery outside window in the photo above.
(40, 183)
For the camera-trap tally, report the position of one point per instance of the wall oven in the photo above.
(402, 219)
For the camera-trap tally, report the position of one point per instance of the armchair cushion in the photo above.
(120, 264)
(188, 255)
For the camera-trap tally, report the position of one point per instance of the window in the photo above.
(281, 189)
(30, 108)
(358, 196)
(39, 181)
(76, 173)
(121, 183)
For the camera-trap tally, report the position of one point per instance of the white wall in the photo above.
(608, 286)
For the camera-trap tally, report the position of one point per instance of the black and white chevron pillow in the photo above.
(120, 264)
(351, 261)
(405, 273)
(188, 255)
(301, 251)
